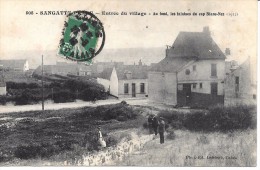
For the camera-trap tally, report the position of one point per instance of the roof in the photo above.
(170, 64)
(13, 63)
(195, 44)
(137, 71)
(105, 74)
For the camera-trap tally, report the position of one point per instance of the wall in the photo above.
(203, 75)
(137, 88)
(104, 82)
(162, 87)
(3, 90)
(246, 89)
(114, 83)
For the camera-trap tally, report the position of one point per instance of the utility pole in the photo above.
(42, 87)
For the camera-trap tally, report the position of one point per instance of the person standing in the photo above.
(101, 141)
(161, 130)
(155, 125)
(150, 123)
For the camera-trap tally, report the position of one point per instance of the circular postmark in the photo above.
(83, 37)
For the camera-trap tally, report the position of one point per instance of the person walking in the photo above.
(161, 130)
(155, 125)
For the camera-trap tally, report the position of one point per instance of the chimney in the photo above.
(206, 30)
(227, 51)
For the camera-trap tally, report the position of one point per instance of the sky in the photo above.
(41, 33)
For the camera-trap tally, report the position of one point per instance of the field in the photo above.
(67, 137)
(36, 135)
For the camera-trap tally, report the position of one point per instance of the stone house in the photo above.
(191, 74)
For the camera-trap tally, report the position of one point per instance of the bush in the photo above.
(15, 85)
(92, 93)
(3, 100)
(63, 96)
(217, 118)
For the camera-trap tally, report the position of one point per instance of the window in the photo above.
(200, 85)
(214, 89)
(194, 68)
(213, 70)
(194, 85)
(187, 71)
(254, 96)
(142, 88)
(236, 84)
(126, 88)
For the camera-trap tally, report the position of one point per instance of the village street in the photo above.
(55, 106)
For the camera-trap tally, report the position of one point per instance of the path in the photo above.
(55, 106)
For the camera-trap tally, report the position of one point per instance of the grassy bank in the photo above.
(36, 135)
(198, 149)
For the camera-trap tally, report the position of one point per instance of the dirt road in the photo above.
(55, 106)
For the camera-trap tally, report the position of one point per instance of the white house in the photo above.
(192, 73)
(125, 81)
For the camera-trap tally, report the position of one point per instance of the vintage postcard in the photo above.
(128, 83)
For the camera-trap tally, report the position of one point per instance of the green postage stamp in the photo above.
(83, 37)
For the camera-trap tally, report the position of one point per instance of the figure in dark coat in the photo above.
(150, 123)
(155, 125)
(161, 130)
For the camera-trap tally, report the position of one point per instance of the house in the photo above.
(63, 68)
(239, 88)
(191, 74)
(16, 65)
(125, 81)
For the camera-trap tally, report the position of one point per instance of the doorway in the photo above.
(187, 93)
(133, 90)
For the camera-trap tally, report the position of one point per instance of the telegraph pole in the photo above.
(42, 87)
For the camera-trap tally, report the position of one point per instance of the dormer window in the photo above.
(128, 74)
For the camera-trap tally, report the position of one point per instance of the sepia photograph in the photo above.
(128, 84)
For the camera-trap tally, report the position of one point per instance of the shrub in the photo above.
(217, 118)
(15, 85)
(124, 102)
(63, 96)
(120, 112)
(3, 100)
